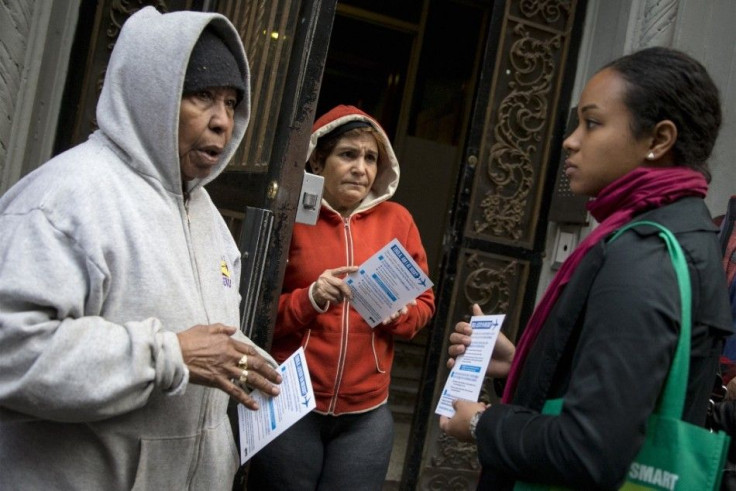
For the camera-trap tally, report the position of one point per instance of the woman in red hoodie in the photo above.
(345, 443)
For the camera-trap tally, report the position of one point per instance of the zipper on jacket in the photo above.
(186, 208)
(192, 255)
(206, 394)
(345, 330)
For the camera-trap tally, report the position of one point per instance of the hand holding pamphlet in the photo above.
(386, 283)
(276, 414)
(467, 374)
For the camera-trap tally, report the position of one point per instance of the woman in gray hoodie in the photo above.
(109, 254)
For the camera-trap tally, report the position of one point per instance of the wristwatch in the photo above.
(474, 422)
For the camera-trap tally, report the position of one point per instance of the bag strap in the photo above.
(672, 400)
(727, 224)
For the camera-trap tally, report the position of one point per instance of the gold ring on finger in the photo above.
(243, 363)
(243, 377)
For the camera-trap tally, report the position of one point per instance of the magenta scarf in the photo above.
(644, 188)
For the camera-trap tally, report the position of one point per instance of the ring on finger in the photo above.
(243, 377)
(243, 363)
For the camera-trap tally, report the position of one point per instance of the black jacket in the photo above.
(607, 347)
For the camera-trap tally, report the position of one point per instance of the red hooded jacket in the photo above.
(349, 362)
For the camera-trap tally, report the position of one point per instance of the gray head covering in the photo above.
(212, 64)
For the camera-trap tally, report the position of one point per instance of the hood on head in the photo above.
(141, 96)
(387, 176)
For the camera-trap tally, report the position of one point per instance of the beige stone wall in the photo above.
(35, 42)
(15, 25)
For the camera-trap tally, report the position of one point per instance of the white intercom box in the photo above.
(310, 199)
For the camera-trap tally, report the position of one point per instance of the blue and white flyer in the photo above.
(466, 377)
(386, 283)
(276, 414)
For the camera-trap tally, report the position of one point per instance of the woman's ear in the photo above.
(664, 137)
(314, 164)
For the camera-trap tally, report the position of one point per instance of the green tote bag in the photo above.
(676, 455)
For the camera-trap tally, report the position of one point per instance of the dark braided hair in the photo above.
(663, 83)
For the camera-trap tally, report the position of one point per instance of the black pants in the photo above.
(321, 452)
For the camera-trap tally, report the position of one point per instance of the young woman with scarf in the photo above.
(604, 333)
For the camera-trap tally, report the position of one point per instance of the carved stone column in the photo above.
(652, 23)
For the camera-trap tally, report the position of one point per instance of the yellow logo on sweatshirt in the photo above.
(225, 271)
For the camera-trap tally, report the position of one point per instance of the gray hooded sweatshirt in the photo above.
(102, 261)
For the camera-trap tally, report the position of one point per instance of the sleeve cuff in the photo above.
(182, 387)
(314, 304)
(172, 374)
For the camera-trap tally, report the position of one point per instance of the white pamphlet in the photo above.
(386, 282)
(466, 377)
(276, 414)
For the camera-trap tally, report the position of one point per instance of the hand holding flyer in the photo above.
(276, 414)
(466, 377)
(386, 282)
